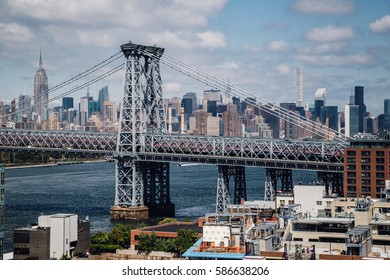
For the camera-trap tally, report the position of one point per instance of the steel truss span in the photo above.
(59, 141)
(244, 152)
(268, 153)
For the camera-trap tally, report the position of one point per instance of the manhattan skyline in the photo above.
(255, 45)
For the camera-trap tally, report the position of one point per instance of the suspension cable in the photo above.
(259, 102)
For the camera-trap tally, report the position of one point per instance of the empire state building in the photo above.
(41, 94)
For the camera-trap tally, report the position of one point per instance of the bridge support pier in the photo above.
(156, 189)
(271, 183)
(333, 182)
(223, 194)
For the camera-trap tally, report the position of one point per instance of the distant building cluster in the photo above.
(26, 112)
(216, 113)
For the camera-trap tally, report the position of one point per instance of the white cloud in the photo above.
(172, 87)
(283, 69)
(330, 34)
(211, 39)
(14, 33)
(325, 48)
(324, 7)
(381, 25)
(338, 60)
(278, 46)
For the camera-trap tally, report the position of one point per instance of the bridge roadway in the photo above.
(268, 153)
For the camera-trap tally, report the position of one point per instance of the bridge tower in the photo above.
(272, 176)
(225, 173)
(333, 182)
(141, 187)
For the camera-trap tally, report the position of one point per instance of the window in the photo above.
(365, 175)
(380, 153)
(365, 153)
(380, 182)
(319, 202)
(351, 174)
(380, 167)
(380, 160)
(366, 182)
(351, 167)
(380, 175)
(366, 167)
(351, 160)
(365, 160)
(351, 153)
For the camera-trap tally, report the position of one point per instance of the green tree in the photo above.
(185, 239)
(167, 221)
(149, 242)
(120, 235)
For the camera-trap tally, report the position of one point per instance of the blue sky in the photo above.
(255, 44)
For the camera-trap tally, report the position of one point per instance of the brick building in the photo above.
(366, 167)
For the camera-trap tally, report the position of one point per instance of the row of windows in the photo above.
(366, 182)
(367, 153)
(366, 160)
(365, 174)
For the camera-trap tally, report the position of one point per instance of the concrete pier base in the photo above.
(129, 213)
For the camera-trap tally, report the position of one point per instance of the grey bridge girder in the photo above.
(306, 155)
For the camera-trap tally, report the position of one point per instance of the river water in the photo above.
(88, 190)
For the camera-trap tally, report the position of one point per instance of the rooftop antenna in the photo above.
(40, 58)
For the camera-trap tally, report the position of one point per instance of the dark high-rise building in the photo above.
(192, 96)
(41, 93)
(386, 110)
(359, 100)
(67, 103)
(212, 107)
(384, 126)
(187, 104)
(329, 115)
(103, 96)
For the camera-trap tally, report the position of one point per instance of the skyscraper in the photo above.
(41, 87)
(67, 103)
(103, 96)
(299, 87)
(386, 106)
(351, 120)
(329, 116)
(192, 96)
(359, 101)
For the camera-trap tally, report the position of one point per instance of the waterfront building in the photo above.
(2, 198)
(366, 167)
(53, 237)
(41, 90)
(164, 231)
